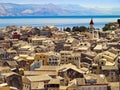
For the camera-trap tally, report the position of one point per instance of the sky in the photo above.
(86, 3)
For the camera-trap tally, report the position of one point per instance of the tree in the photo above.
(67, 29)
(79, 29)
(83, 29)
(75, 28)
(108, 27)
(118, 22)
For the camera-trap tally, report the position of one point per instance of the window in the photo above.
(81, 44)
(100, 88)
(75, 58)
(82, 88)
(102, 63)
(49, 59)
(85, 44)
(112, 73)
(95, 88)
(105, 88)
(94, 67)
(89, 88)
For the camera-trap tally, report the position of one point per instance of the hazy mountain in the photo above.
(8, 9)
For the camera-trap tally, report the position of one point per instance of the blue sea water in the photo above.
(59, 21)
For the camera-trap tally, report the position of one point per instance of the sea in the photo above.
(59, 21)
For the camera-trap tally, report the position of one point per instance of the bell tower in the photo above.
(91, 24)
(93, 33)
(91, 29)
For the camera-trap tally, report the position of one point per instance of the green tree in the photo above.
(68, 29)
(106, 27)
(75, 28)
(118, 22)
(79, 29)
(83, 29)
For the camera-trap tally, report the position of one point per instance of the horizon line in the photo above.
(74, 16)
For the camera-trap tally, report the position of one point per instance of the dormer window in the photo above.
(81, 44)
(85, 44)
(102, 63)
(102, 57)
(49, 59)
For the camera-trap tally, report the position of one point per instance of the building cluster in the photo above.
(47, 58)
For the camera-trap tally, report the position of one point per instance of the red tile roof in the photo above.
(91, 22)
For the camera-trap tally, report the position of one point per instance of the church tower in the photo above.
(91, 24)
(91, 29)
(93, 33)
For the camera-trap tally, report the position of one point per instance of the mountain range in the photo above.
(9, 9)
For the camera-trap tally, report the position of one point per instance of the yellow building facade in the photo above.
(49, 58)
(42, 56)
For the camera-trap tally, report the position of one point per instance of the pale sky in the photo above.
(87, 3)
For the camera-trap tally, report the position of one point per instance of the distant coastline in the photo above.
(83, 16)
(59, 21)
